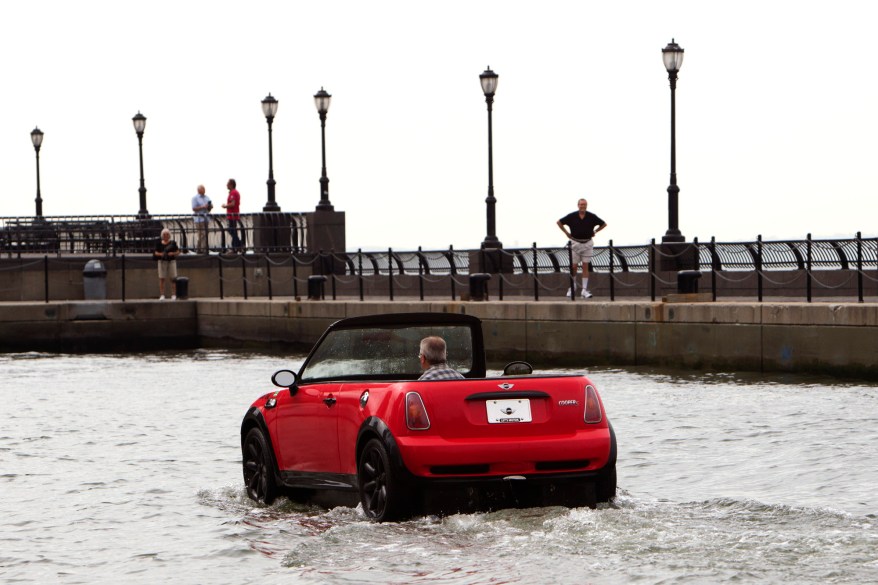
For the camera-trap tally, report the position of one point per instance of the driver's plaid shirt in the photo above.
(440, 372)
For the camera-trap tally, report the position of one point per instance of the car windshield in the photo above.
(385, 352)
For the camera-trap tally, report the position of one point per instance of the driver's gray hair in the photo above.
(433, 349)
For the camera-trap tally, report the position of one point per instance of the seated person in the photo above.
(433, 360)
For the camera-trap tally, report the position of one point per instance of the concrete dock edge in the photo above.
(831, 338)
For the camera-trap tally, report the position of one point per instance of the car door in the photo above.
(307, 429)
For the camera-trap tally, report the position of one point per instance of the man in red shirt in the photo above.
(233, 214)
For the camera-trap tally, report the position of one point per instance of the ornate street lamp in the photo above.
(269, 108)
(672, 55)
(36, 136)
(488, 79)
(139, 125)
(321, 100)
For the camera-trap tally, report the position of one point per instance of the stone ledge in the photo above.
(688, 298)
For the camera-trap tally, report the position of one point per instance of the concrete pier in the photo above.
(835, 338)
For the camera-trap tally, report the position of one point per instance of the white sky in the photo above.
(777, 113)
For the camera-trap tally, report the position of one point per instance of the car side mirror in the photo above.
(285, 379)
(518, 369)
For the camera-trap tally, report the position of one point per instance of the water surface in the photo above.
(127, 468)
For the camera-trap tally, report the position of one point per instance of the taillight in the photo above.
(415, 414)
(592, 405)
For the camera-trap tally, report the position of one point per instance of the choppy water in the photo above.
(127, 469)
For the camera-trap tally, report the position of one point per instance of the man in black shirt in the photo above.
(165, 255)
(581, 227)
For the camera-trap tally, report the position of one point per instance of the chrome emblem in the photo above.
(506, 386)
(568, 403)
(507, 410)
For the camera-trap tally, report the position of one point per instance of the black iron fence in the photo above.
(115, 235)
(752, 266)
(277, 263)
(721, 256)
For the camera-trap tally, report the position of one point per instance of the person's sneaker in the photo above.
(569, 293)
(586, 294)
(173, 297)
(161, 298)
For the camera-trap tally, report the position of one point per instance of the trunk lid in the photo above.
(506, 407)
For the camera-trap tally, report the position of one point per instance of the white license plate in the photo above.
(509, 411)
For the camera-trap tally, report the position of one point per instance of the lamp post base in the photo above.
(490, 261)
(676, 255)
(673, 238)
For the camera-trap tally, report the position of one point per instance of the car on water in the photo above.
(355, 425)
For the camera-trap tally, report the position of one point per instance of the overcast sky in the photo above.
(777, 113)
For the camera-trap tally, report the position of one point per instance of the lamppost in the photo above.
(672, 55)
(269, 108)
(321, 100)
(139, 124)
(488, 79)
(36, 136)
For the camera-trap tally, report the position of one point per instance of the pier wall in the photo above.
(831, 338)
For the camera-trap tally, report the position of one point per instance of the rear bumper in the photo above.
(497, 489)
(473, 494)
(430, 457)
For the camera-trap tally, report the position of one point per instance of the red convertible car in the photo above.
(356, 425)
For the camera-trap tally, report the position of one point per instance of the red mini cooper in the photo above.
(355, 424)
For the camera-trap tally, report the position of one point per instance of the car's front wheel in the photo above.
(259, 476)
(380, 491)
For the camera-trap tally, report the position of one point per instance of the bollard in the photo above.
(94, 281)
(687, 281)
(182, 288)
(315, 287)
(478, 286)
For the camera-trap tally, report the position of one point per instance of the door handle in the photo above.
(330, 402)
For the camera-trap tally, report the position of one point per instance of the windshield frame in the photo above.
(402, 333)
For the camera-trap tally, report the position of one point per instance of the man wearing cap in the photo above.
(580, 228)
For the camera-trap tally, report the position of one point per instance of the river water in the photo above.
(126, 468)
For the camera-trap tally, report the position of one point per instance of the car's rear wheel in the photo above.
(605, 488)
(259, 472)
(380, 491)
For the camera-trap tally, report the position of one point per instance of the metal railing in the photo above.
(114, 235)
(756, 260)
(277, 257)
(833, 254)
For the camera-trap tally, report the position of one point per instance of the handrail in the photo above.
(286, 233)
(114, 235)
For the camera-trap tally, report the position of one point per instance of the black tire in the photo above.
(259, 468)
(380, 490)
(605, 487)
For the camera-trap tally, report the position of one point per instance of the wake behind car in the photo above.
(356, 425)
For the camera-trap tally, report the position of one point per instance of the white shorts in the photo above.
(582, 251)
(168, 269)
